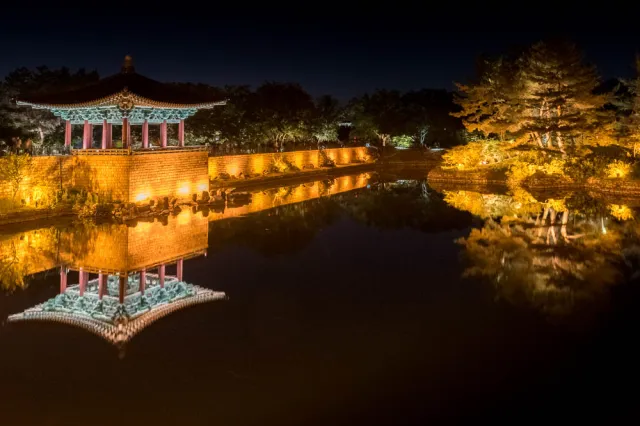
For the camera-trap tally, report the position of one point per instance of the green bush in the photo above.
(402, 141)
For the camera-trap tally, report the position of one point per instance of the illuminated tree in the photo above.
(547, 93)
(628, 103)
(561, 106)
(13, 169)
(493, 105)
(326, 120)
(402, 141)
(283, 112)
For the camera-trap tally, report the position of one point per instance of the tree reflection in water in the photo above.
(554, 255)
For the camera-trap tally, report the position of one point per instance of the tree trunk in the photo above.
(536, 137)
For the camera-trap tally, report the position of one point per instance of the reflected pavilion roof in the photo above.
(124, 95)
(114, 321)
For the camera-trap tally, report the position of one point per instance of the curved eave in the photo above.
(112, 333)
(114, 101)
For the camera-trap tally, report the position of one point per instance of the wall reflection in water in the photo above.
(555, 255)
(123, 284)
(122, 281)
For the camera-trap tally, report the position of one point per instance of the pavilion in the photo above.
(124, 99)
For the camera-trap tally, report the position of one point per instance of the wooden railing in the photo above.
(129, 151)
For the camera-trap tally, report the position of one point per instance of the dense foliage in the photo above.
(273, 116)
(543, 110)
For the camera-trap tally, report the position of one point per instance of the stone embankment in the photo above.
(614, 186)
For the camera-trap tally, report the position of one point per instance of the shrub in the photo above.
(402, 141)
(283, 164)
(620, 212)
(618, 169)
(324, 160)
(478, 153)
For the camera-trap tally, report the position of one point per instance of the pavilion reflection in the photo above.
(123, 285)
(556, 255)
(123, 281)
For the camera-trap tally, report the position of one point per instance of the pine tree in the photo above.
(560, 106)
(493, 105)
(627, 102)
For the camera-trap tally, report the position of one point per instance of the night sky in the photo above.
(327, 47)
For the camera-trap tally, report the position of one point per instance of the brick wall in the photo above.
(234, 165)
(139, 177)
(127, 178)
(103, 174)
(106, 175)
(170, 174)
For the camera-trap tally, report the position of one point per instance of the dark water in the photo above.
(345, 304)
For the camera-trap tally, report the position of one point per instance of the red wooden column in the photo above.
(161, 274)
(145, 134)
(67, 133)
(179, 269)
(105, 134)
(63, 279)
(163, 134)
(102, 279)
(109, 135)
(125, 132)
(87, 135)
(181, 133)
(143, 280)
(122, 288)
(84, 278)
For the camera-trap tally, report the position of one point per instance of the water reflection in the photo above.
(555, 255)
(122, 281)
(117, 307)
(123, 284)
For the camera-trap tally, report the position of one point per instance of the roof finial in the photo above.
(127, 65)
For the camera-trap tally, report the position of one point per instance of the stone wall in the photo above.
(167, 174)
(142, 176)
(107, 175)
(114, 177)
(243, 165)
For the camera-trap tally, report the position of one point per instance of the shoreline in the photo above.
(18, 218)
(486, 178)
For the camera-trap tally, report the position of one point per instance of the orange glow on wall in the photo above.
(184, 189)
(233, 168)
(257, 163)
(142, 196)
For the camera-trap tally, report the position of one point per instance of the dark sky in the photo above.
(331, 47)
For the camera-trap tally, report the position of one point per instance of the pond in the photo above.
(365, 299)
